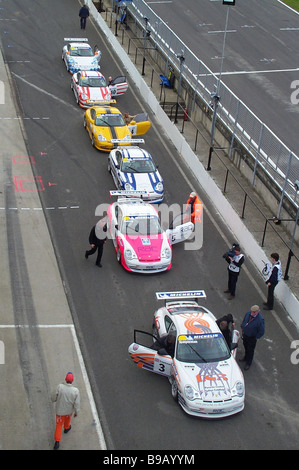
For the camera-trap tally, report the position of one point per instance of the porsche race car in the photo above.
(91, 89)
(77, 55)
(107, 129)
(132, 168)
(141, 244)
(188, 347)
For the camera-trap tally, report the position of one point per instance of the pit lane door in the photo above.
(118, 86)
(179, 230)
(140, 124)
(148, 358)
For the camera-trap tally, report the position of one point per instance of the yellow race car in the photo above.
(107, 128)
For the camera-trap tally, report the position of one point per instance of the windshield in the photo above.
(209, 347)
(93, 82)
(84, 52)
(110, 120)
(139, 225)
(137, 166)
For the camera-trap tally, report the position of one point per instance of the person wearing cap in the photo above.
(97, 238)
(253, 328)
(234, 266)
(67, 399)
(194, 208)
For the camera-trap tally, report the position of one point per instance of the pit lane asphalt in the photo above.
(35, 319)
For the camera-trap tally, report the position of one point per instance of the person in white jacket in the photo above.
(67, 399)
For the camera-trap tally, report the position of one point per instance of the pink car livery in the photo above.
(140, 243)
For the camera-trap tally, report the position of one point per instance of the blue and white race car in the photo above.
(133, 168)
(188, 347)
(77, 55)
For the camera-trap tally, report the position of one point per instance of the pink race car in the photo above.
(140, 243)
(91, 89)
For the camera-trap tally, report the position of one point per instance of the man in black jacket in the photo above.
(97, 238)
(83, 14)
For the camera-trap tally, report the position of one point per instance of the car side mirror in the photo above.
(116, 227)
(163, 352)
(233, 346)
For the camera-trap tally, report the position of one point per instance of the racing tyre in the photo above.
(109, 166)
(84, 122)
(174, 389)
(92, 141)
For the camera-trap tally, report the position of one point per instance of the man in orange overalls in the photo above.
(67, 398)
(194, 208)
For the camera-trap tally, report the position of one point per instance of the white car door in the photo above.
(148, 358)
(179, 230)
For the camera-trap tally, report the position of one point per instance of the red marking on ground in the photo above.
(21, 159)
(26, 183)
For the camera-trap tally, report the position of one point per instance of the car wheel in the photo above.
(174, 389)
(109, 166)
(92, 141)
(84, 122)
(118, 256)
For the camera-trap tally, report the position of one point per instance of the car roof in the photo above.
(80, 45)
(105, 110)
(134, 207)
(134, 153)
(188, 314)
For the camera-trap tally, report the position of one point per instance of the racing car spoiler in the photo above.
(176, 295)
(126, 141)
(128, 193)
(76, 39)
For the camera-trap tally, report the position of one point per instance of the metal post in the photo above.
(182, 59)
(215, 96)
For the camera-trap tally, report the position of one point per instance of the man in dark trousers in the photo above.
(97, 238)
(253, 328)
(273, 278)
(83, 14)
(235, 262)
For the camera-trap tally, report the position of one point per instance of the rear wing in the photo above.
(126, 141)
(181, 295)
(137, 195)
(75, 39)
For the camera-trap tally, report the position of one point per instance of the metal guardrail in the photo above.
(270, 154)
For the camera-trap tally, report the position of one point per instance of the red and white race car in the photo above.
(91, 89)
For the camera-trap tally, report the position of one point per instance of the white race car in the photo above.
(91, 89)
(78, 55)
(141, 245)
(132, 168)
(188, 347)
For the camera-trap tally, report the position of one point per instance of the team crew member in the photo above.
(83, 14)
(253, 328)
(275, 275)
(194, 208)
(97, 238)
(67, 399)
(234, 267)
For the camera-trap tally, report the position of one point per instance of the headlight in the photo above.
(189, 392)
(238, 389)
(130, 254)
(84, 96)
(166, 253)
(159, 187)
(101, 138)
(107, 97)
(128, 187)
(127, 137)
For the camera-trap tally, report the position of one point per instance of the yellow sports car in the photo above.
(107, 128)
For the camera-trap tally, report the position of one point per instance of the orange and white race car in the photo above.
(188, 347)
(91, 88)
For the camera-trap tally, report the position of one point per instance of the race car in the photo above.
(188, 347)
(78, 55)
(107, 129)
(90, 88)
(141, 245)
(133, 168)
